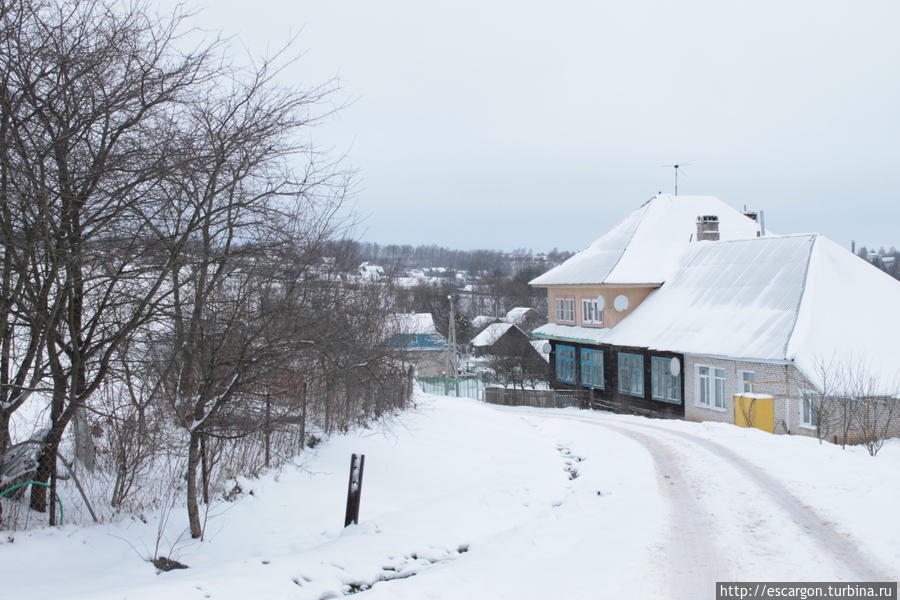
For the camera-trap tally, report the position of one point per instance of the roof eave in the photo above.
(602, 284)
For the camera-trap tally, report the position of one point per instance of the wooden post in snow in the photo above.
(354, 488)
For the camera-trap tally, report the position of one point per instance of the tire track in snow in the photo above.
(838, 547)
(693, 560)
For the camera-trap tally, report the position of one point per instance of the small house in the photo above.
(524, 317)
(415, 335)
(501, 338)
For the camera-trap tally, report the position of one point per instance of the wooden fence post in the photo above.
(354, 488)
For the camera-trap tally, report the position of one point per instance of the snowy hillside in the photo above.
(465, 500)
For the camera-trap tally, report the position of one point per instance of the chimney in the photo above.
(707, 228)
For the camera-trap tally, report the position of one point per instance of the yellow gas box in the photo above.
(755, 410)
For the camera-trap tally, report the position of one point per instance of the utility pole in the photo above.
(452, 359)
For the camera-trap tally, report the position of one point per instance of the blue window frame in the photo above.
(631, 374)
(592, 368)
(565, 364)
(665, 386)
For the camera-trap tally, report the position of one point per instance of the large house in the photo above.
(688, 302)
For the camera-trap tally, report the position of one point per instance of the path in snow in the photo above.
(840, 547)
(690, 550)
(771, 534)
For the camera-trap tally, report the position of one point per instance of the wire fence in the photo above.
(137, 473)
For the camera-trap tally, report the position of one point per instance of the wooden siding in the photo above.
(610, 395)
(538, 398)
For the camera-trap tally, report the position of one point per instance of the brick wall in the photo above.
(785, 383)
(782, 381)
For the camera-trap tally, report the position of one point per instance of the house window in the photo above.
(565, 310)
(745, 382)
(591, 313)
(565, 364)
(592, 368)
(631, 374)
(809, 409)
(710, 387)
(664, 385)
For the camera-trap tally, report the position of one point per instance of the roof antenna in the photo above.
(676, 167)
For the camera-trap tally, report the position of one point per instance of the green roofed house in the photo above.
(416, 336)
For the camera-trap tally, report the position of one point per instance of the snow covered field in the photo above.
(466, 500)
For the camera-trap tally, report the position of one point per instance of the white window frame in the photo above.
(710, 383)
(591, 313)
(806, 398)
(565, 307)
(742, 383)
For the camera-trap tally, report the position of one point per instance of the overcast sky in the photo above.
(541, 124)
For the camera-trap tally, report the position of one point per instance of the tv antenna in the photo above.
(676, 166)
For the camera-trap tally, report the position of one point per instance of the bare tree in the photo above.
(852, 402)
(98, 84)
(236, 289)
(21, 336)
(162, 250)
(515, 363)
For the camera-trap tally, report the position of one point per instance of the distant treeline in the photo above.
(396, 257)
(886, 260)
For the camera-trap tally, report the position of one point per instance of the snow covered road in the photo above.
(730, 520)
(464, 500)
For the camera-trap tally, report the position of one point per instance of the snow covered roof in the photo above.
(540, 348)
(517, 315)
(801, 299)
(647, 245)
(572, 333)
(406, 282)
(841, 319)
(411, 324)
(370, 272)
(491, 334)
(482, 321)
(737, 299)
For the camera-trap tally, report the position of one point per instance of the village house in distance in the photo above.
(417, 339)
(689, 302)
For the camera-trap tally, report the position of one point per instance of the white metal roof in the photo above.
(646, 246)
(801, 299)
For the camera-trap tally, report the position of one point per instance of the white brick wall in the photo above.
(782, 381)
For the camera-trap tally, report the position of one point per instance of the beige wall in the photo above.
(611, 317)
